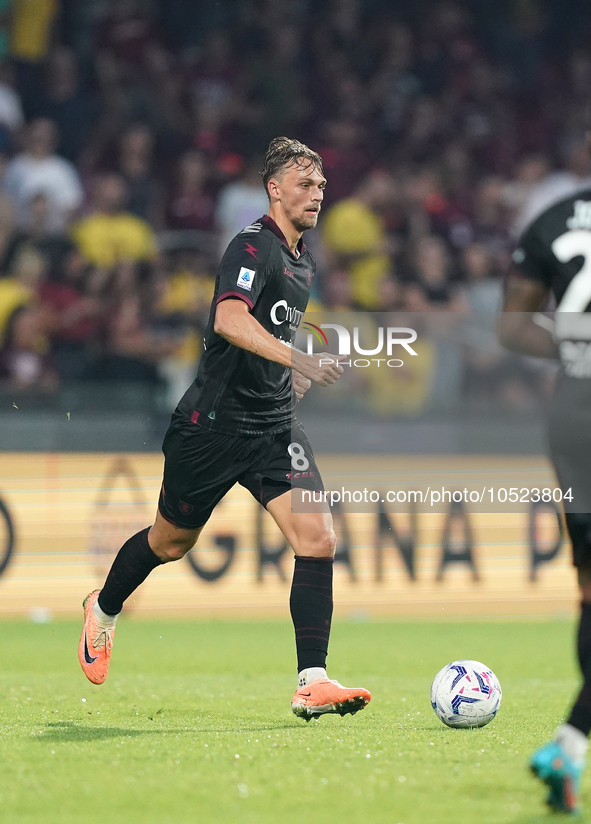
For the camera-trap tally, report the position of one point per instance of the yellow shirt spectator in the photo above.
(12, 295)
(107, 239)
(356, 233)
(184, 293)
(402, 390)
(31, 28)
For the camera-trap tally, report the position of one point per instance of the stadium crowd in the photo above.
(131, 137)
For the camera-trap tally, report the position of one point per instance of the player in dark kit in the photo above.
(554, 256)
(235, 424)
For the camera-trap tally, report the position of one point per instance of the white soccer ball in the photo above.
(466, 694)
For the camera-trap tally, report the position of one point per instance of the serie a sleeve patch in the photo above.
(246, 278)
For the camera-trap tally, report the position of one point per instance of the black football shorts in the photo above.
(570, 449)
(200, 466)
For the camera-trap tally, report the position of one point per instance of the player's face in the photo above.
(300, 191)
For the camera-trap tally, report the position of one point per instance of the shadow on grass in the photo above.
(70, 731)
(547, 818)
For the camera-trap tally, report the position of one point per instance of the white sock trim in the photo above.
(102, 617)
(308, 676)
(573, 742)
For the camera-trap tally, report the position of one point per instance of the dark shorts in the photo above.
(570, 450)
(579, 530)
(201, 466)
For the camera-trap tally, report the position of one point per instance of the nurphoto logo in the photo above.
(387, 339)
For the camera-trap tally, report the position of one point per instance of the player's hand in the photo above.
(300, 384)
(322, 369)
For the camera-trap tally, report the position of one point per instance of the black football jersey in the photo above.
(556, 251)
(237, 392)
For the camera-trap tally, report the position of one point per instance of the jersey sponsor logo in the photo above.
(281, 312)
(245, 278)
(185, 508)
(581, 218)
(251, 250)
(254, 227)
(288, 272)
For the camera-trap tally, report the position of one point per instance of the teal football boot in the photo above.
(553, 766)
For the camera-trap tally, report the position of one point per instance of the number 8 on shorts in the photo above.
(299, 462)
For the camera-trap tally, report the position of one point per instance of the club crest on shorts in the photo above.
(246, 278)
(185, 508)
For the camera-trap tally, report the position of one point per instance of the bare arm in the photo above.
(516, 327)
(234, 323)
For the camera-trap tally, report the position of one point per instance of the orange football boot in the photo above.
(326, 696)
(96, 643)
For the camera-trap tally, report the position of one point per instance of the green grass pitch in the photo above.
(194, 726)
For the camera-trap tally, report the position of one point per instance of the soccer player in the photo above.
(235, 424)
(554, 256)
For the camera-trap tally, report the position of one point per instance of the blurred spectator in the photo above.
(182, 309)
(429, 210)
(430, 271)
(240, 203)
(12, 295)
(25, 362)
(11, 110)
(37, 236)
(275, 91)
(32, 22)
(132, 348)
(111, 235)
(486, 361)
(65, 101)
(345, 159)
(135, 163)
(490, 218)
(212, 73)
(404, 389)
(211, 132)
(392, 296)
(336, 291)
(354, 233)
(5, 24)
(127, 33)
(575, 176)
(73, 316)
(20, 287)
(188, 288)
(39, 170)
(7, 216)
(483, 288)
(190, 203)
(530, 171)
(128, 96)
(427, 129)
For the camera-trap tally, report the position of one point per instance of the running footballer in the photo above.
(235, 424)
(554, 257)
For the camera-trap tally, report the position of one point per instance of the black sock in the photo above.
(580, 716)
(134, 562)
(310, 603)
